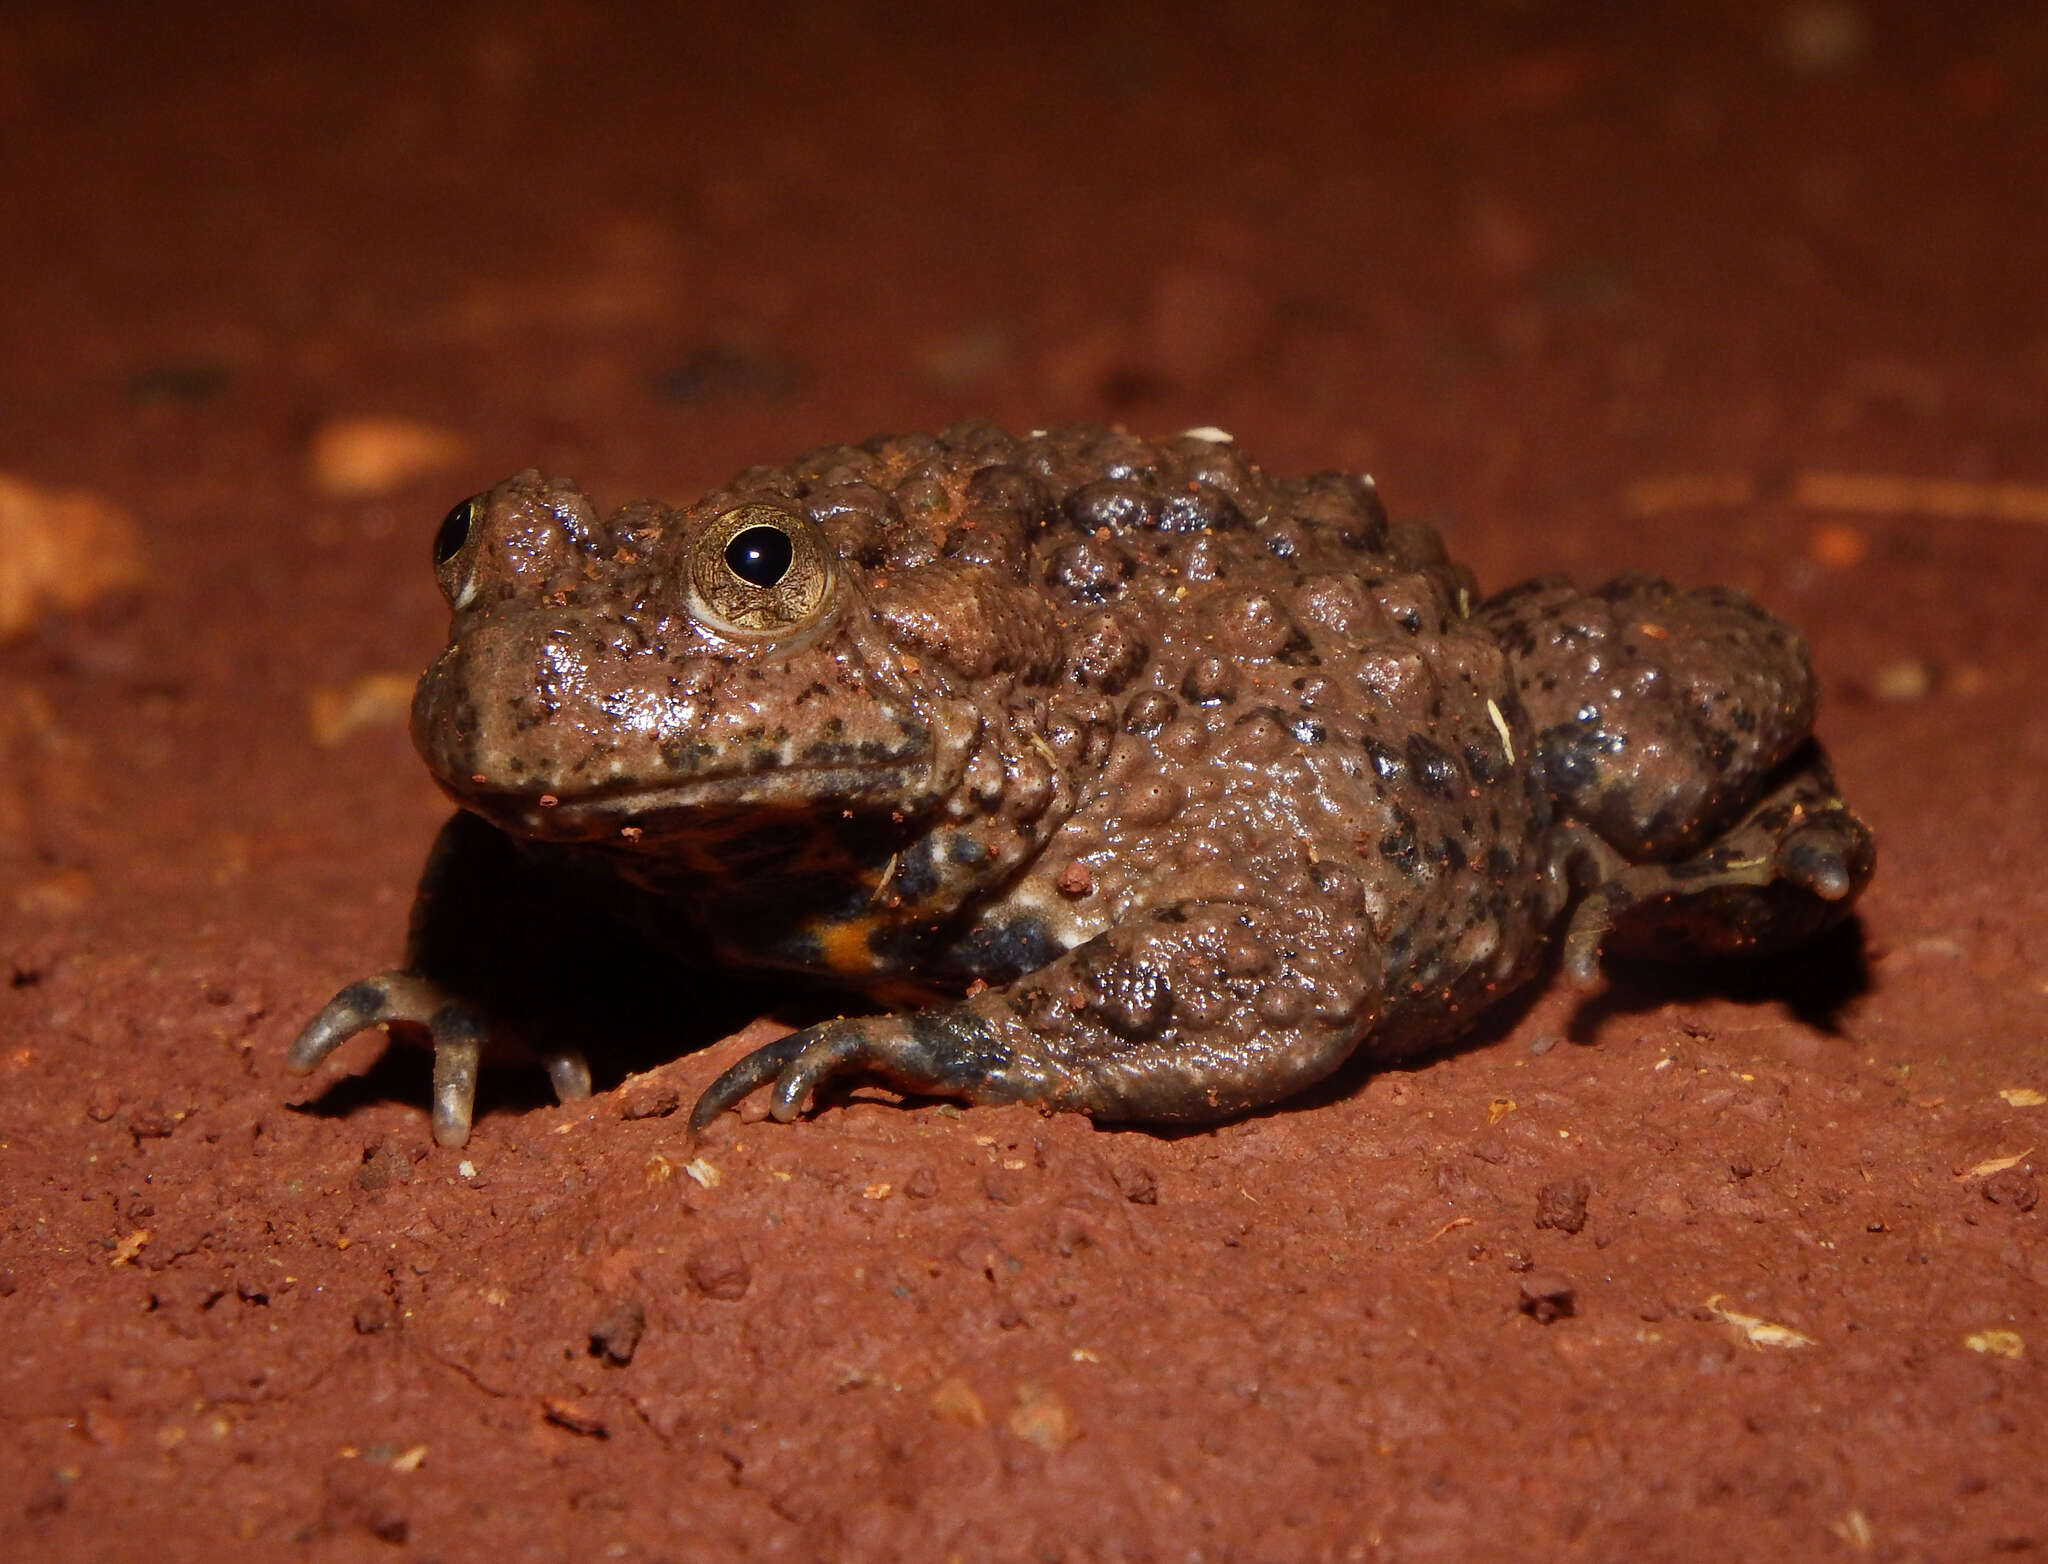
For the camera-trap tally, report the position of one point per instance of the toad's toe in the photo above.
(389, 996)
(1821, 859)
(569, 1073)
(752, 1072)
(835, 1049)
(458, 1046)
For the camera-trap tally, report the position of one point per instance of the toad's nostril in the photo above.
(760, 556)
(454, 532)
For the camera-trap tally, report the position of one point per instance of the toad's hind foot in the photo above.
(455, 1030)
(1783, 872)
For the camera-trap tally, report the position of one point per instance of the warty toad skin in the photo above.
(1137, 781)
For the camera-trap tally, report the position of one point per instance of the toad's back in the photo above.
(1287, 706)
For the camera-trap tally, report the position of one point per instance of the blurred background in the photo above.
(1592, 286)
(1512, 256)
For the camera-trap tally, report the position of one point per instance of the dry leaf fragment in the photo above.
(1884, 494)
(1995, 1165)
(1996, 1343)
(574, 1416)
(361, 458)
(2023, 1097)
(1757, 1331)
(954, 1401)
(60, 549)
(1854, 1529)
(375, 700)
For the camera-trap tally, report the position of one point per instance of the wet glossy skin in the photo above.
(1167, 785)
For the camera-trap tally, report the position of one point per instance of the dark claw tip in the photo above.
(752, 1072)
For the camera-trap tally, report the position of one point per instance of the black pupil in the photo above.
(759, 555)
(454, 533)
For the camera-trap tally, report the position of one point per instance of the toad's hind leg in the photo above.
(1656, 715)
(1186, 1016)
(1784, 871)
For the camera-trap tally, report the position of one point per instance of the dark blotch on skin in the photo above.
(1436, 773)
(1114, 504)
(958, 1049)
(1086, 571)
(1002, 950)
(1199, 508)
(1386, 761)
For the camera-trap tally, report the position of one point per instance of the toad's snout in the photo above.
(552, 725)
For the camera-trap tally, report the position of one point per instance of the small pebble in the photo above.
(1822, 37)
(1838, 545)
(153, 1121)
(616, 1336)
(954, 1401)
(1547, 1297)
(1563, 1206)
(1138, 1183)
(2012, 1187)
(374, 1312)
(720, 1271)
(385, 1163)
(376, 700)
(648, 1100)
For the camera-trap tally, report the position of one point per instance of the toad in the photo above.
(1125, 777)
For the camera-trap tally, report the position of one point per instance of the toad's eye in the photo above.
(454, 531)
(759, 570)
(760, 556)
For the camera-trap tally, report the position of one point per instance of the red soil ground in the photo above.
(1595, 288)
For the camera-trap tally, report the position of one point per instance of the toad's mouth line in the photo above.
(879, 785)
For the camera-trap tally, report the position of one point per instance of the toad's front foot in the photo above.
(938, 1053)
(456, 1030)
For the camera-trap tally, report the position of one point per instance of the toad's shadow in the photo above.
(1815, 982)
(559, 981)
